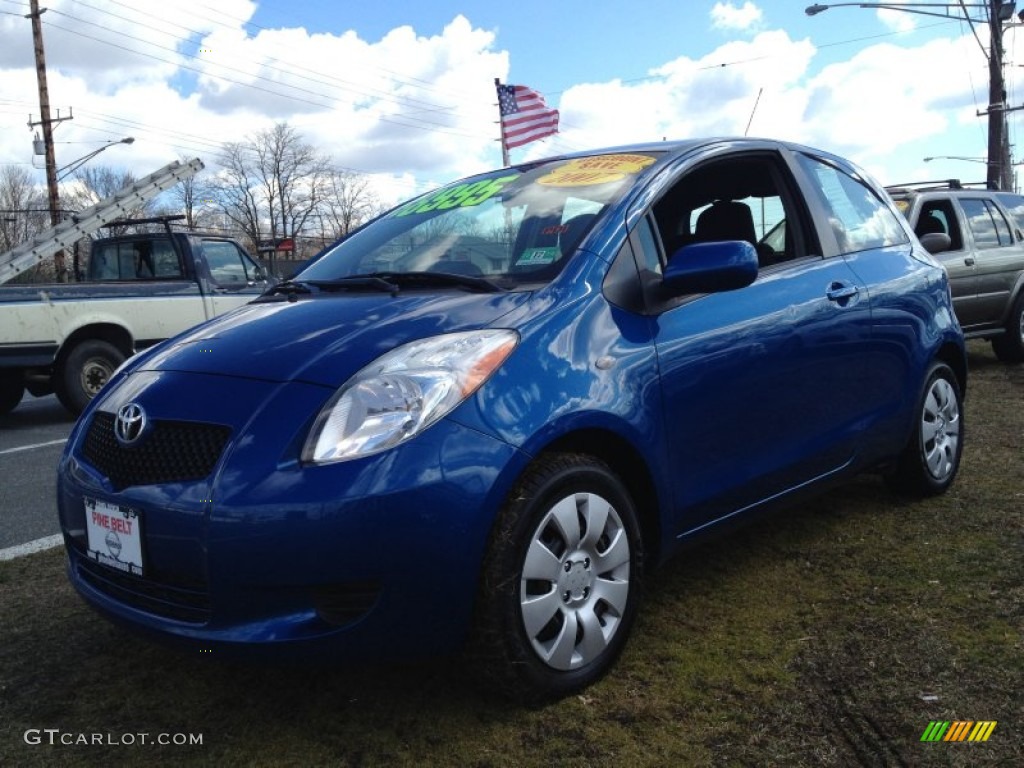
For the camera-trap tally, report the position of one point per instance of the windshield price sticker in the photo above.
(534, 257)
(600, 169)
(115, 536)
(459, 196)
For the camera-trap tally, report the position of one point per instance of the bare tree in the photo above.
(192, 197)
(22, 207)
(293, 176)
(99, 182)
(24, 213)
(276, 185)
(237, 194)
(348, 202)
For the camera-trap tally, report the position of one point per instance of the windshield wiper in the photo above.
(375, 281)
(291, 288)
(472, 282)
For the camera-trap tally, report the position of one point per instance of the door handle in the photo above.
(969, 261)
(841, 293)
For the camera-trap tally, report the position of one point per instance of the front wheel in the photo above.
(932, 456)
(561, 581)
(84, 372)
(1009, 347)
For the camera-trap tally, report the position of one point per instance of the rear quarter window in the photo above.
(1014, 205)
(859, 218)
(987, 223)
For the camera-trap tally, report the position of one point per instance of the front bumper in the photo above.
(359, 558)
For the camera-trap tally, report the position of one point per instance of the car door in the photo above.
(998, 255)
(234, 278)
(942, 214)
(760, 385)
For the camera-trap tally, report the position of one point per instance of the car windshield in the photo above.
(507, 227)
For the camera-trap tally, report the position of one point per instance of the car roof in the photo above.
(684, 146)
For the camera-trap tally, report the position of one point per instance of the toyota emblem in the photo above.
(130, 423)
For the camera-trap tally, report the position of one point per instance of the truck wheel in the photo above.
(932, 456)
(560, 583)
(11, 390)
(1010, 346)
(85, 370)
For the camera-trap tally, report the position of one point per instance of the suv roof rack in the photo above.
(925, 186)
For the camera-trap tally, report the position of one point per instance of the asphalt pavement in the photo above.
(31, 439)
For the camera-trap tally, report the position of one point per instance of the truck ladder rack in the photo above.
(86, 222)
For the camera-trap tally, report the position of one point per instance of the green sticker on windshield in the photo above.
(538, 257)
(459, 196)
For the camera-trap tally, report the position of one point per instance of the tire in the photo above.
(85, 370)
(931, 459)
(12, 389)
(1009, 347)
(565, 560)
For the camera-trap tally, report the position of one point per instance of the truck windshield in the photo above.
(513, 225)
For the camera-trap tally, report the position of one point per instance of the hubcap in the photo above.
(575, 581)
(95, 374)
(940, 429)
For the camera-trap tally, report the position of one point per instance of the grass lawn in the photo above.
(828, 635)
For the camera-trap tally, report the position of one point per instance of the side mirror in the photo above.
(936, 242)
(711, 267)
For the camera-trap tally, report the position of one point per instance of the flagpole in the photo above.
(504, 150)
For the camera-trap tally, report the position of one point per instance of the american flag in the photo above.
(525, 116)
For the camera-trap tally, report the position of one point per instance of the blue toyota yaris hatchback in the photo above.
(478, 420)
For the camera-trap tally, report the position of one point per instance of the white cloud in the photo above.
(898, 21)
(415, 110)
(729, 17)
(406, 104)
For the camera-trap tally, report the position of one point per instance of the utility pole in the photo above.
(999, 170)
(46, 122)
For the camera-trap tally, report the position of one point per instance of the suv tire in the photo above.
(1009, 347)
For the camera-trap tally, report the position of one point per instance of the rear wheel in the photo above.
(1009, 347)
(932, 457)
(561, 581)
(84, 372)
(12, 388)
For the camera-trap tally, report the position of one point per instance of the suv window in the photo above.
(939, 216)
(1015, 205)
(986, 222)
(859, 219)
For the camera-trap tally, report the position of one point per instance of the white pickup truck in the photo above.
(69, 338)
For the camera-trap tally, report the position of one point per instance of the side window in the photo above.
(228, 267)
(859, 219)
(1015, 205)
(738, 198)
(648, 260)
(103, 262)
(165, 261)
(939, 216)
(987, 224)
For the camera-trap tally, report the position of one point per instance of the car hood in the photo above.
(323, 339)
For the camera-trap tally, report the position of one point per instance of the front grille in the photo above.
(182, 603)
(171, 452)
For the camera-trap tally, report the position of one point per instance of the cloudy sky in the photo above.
(405, 90)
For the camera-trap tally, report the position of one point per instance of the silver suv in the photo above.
(978, 235)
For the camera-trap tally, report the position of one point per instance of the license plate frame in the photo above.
(114, 536)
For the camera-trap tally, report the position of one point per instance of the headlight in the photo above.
(403, 392)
